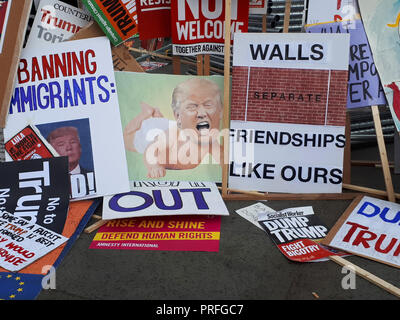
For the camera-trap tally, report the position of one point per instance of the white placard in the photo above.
(22, 242)
(297, 51)
(282, 157)
(159, 198)
(370, 230)
(54, 22)
(72, 85)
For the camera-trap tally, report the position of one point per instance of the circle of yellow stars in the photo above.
(18, 290)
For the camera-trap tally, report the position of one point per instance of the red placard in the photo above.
(27, 144)
(154, 19)
(198, 27)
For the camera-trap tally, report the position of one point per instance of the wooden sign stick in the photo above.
(200, 64)
(95, 226)
(382, 153)
(226, 113)
(367, 275)
(286, 21)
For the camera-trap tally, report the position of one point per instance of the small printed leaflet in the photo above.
(29, 144)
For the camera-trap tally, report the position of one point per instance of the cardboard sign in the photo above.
(117, 18)
(79, 214)
(159, 134)
(365, 88)
(296, 232)
(68, 92)
(286, 157)
(198, 26)
(186, 233)
(381, 23)
(258, 6)
(154, 19)
(14, 16)
(56, 21)
(36, 190)
(369, 228)
(288, 112)
(331, 11)
(165, 198)
(29, 144)
(295, 51)
(22, 242)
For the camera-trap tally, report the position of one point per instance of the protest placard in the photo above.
(22, 242)
(162, 198)
(154, 18)
(365, 88)
(29, 144)
(197, 27)
(117, 18)
(68, 92)
(369, 228)
(172, 233)
(288, 112)
(258, 6)
(164, 138)
(36, 190)
(56, 21)
(297, 233)
(381, 23)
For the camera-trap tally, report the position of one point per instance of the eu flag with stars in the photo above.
(20, 286)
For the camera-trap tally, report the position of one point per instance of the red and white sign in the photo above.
(369, 228)
(258, 6)
(198, 26)
(154, 19)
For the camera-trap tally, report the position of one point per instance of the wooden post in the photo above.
(206, 65)
(200, 64)
(286, 21)
(176, 64)
(347, 152)
(264, 23)
(382, 153)
(226, 113)
(367, 275)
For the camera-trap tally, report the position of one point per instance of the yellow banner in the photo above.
(147, 236)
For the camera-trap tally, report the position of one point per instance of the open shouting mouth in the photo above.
(204, 125)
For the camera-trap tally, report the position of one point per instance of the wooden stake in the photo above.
(264, 23)
(371, 191)
(347, 152)
(95, 226)
(206, 65)
(176, 64)
(367, 275)
(200, 65)
(286, 21)
(243, 196)
(382, 153)
(226, 113)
